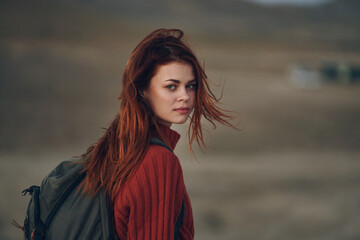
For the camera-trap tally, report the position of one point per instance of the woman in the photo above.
(163, 83)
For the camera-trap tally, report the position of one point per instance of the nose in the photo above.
(183, 95)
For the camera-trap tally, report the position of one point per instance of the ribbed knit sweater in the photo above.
(149, 203)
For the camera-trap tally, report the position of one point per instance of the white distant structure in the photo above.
(291, 2)
(302, 77)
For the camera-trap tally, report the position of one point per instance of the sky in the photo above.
(293, 2)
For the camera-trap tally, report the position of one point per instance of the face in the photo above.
(171, 92)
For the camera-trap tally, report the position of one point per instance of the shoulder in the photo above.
(159, 156)
(159, 170)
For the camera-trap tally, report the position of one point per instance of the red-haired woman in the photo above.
(163, 83)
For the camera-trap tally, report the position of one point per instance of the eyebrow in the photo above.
(177, 81)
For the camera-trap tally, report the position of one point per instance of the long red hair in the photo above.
(112, 160)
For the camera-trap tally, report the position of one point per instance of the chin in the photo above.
(180, 121)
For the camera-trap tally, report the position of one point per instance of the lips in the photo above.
(182, 110)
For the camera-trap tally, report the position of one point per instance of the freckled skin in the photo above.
(171, 92)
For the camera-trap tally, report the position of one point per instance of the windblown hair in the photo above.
(113, 159)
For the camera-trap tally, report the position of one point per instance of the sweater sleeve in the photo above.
(154, 195)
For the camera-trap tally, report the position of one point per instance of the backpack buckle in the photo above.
(29, 190)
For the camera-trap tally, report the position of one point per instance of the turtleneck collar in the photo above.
(171, 136)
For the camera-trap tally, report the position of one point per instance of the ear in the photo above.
(142, 93)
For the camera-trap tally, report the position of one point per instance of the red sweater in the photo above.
(149, 204)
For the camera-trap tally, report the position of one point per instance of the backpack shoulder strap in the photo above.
(156, 141)
(179, 221)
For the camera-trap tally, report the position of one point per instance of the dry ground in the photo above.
(313, 195)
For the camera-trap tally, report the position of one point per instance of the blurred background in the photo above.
(289, 69)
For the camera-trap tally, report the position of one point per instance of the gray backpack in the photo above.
(58, 211)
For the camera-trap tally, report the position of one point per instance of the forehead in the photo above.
(181, 71)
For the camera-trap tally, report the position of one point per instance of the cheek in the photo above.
(163, 97)
(159, 99)
(193, 97)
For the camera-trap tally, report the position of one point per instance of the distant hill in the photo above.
(336, 21)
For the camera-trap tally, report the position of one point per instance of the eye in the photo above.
(191, 86)
(171, 86)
